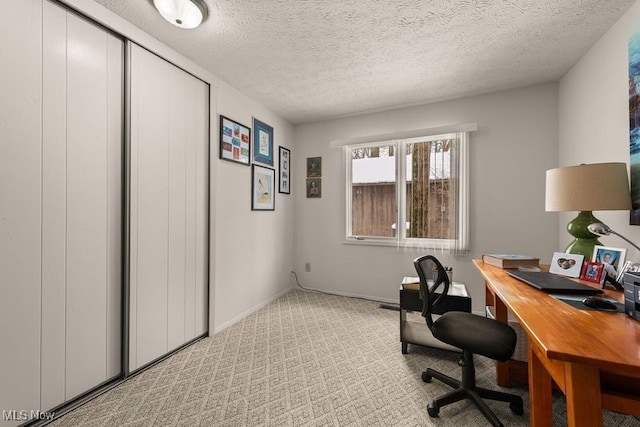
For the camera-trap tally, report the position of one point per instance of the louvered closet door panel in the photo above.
(169, 187)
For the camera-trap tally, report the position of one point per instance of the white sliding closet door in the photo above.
(81, 204)
(61, 120)
(169, 207)
(20, 216)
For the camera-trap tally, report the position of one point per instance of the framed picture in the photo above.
(592, 272)
(611, 256)
(262, 188)
(314, 167)
(262, 142)
(314, 187)
(634, 123)
(235, 141)
(566, 264)
(285, 171)
(628, 267)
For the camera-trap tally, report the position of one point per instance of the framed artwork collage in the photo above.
(255, 147)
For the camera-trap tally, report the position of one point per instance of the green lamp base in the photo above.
(584, 239)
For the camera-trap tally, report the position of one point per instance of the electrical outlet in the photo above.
(307, 267)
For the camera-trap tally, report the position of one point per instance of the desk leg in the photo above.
(584, 399)
(539, 391)
(502, 368)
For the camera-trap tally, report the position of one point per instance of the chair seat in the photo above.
(476, 334)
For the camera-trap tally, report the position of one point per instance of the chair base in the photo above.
(473, 393)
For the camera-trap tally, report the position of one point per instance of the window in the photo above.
(409, 192)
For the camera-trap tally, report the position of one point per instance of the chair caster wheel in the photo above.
(426, 377)
(516, 407)
(432, 410)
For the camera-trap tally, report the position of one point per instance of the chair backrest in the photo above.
(432, 277)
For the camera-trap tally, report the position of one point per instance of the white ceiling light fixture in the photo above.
(185, 14)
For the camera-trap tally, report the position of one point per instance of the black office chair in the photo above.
(473, 334)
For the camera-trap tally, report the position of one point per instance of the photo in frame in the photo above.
(284, 182)
(613, 258)
(262, 142)
(235, 141)
(629, 267)
(593, 272)
(566, 264)
(262, 188)
(314, 167)
(314, 187)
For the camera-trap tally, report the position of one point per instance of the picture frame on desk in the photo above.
(593, 272)
(612, 256)
(566, 264)
(629, 267)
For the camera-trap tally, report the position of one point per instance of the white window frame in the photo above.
(401, 239)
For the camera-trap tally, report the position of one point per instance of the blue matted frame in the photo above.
(262, 142)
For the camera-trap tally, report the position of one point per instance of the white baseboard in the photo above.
(253, 309)
(352, 295)
(241, 316)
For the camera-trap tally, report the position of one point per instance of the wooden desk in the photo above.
(593, 356)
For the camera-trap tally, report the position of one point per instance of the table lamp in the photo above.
(587, 188)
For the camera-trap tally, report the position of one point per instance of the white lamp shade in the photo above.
(592, 187)
(186, 14)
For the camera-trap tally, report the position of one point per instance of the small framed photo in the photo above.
(285, 171)
(566, 264)
(262, 142)
(314, 187)
(613, 257)
(235, 141)
(628, 267)
(314, 167)
(262, 188)
(592, 272)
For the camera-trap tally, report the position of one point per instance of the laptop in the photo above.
(553, 283)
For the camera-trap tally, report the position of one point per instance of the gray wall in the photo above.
(594, 120)
(254, 249)
(516, 142)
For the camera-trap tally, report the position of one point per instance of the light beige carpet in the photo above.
(307, 359)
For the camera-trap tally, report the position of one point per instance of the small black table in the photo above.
(412, 332)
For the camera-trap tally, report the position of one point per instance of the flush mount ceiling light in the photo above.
(185, 14)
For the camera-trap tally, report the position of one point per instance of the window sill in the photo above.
(371, 242)
(429, 245)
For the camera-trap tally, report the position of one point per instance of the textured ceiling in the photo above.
(310, 60)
